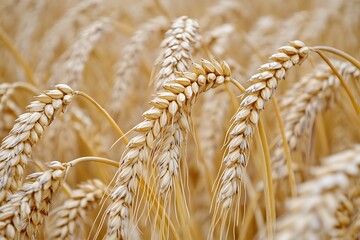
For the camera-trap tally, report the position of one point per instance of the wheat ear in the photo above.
(312, 214)
(177, 94)
(71, 69)
(263, 85)
(303, 102)
(16, 148)
(177, 47)
(127, 67)
(67, 221)
(64, 28)
(23, 214)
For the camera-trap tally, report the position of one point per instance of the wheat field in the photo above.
(164, 119)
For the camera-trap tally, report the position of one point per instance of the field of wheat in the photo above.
(165, 119)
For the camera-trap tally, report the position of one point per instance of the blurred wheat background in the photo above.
(241, 119)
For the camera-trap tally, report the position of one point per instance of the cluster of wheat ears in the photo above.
(220, 145)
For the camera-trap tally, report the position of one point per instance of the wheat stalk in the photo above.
(177, 94)
(313, 213)
(16, 148)
(303, 102)
(67, 221)
(263, 85)
(25, 210)
(177, 47)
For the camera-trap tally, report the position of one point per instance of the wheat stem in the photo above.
(289, 161)
(339, 53)
(343, 83)
(106, 114)
(269, 190)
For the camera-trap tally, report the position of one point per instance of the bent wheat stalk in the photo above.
(177, 94)
(16, 148)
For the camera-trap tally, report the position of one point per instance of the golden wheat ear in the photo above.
(245, 121)
(177, 97)
(318, 209)
(300, 105)
(23, 214)
(180, 41)
(16, 148)
(68, 221)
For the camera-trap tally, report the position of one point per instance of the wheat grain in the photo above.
(245, 120)
(165, 104)
(67, 221)
(25, 210)
(303, 102)
(16, 148)
(177, 47)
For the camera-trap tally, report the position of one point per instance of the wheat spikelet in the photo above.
(71, 70)
(177, 47)
(64, 28)
(245, 120)
(67, 221)
(25, 210)
(128, 65)
(16, 148)
(303, 102)
(177, 94)
(312, 214)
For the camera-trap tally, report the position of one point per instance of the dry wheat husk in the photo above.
(178, 95)
(68, 221)
(303, 102)
(263, 85)
(24, 212)
(16, 148)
